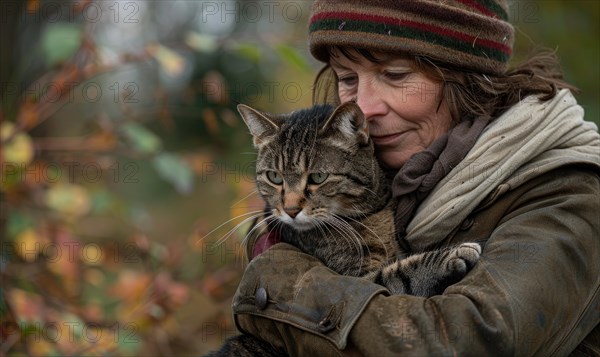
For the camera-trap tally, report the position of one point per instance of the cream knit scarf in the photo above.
(528, 140)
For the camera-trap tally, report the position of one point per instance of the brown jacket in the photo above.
(535, 291)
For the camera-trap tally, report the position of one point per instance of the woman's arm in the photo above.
(534, 292)
(517, 300)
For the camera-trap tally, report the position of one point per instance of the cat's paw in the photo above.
(463, 257)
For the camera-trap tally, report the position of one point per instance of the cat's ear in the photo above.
(261, 126)
(349, 121)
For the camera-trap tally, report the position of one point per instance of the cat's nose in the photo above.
(292, 211)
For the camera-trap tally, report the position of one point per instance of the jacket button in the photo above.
(329, 321)
(260, 299)
(326, 325)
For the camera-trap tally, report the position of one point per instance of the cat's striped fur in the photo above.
(347, 221)
(326, 194)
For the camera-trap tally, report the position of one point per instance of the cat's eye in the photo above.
(317, 178)
(274, 177)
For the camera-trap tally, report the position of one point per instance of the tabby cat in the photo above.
(326, 194)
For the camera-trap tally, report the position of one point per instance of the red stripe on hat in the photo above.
(339, 15)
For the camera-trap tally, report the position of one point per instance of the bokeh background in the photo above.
(124, 161)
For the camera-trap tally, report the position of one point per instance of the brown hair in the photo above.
(467, 93)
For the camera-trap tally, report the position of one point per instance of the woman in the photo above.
(482, 153)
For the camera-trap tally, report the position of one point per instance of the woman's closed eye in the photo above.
(348, 80)
(396, 75)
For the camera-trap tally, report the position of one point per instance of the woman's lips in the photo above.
(386, 139)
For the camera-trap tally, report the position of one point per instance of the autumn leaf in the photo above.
(39, 347)
(28, 245)
(92, 255)
(27, 306)
(201, 42)
(142, 139)
(65, 262)
(131, 286)
(175, 293)
(174, 170)
(229, 117)
(172, 63)
(28, 115)
(33, 6)
(19, 150)
(68, 199)
(214, 284)
(215, 87)
(210, 119)
(102, 141)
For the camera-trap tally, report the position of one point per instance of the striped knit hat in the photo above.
(470, 34)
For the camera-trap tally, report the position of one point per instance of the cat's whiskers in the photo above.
(245, 197)
(356, 271)
(258, 224)
(320, 225)
(321, 217)
(358, 212)
(278, 227)
(343, 234)
(351, 234)
(251, 213)
(340, 237)
(232, 230)
(374, 234)
(359, 239)
(371, 191)
(362, 238)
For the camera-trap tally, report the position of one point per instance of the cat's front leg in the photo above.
(428, 273)
(461, 259)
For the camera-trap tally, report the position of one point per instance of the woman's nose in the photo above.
(369, 100)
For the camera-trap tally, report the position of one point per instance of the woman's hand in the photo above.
(286, 285)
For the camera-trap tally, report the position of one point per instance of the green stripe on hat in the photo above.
(495, 8)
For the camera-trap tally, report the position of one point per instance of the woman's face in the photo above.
(401, 105)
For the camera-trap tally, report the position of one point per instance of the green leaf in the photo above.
(129, 338)
(19, 150)
(18, 222)
(159, 252)
(142, 139)
(291, 56)
(175, 171)
(68, 199)
(101, 201)
(201, 42)
(251, 52)
(171, 62)
(60, 41)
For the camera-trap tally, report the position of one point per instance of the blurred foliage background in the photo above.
(124, 160)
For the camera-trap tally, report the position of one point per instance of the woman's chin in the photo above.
(393, 159)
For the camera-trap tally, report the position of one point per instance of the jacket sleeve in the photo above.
(535, 291)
